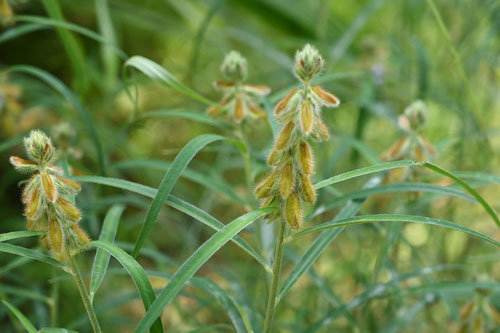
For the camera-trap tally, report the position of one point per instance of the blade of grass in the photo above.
(137, 274)
(105, 24)
(176, 203)
(71, 45)
(24, 252)
(19, 234)
(390, 188)
(101, 260)
(20, 30)
(181, 161)
(210, 182)
(392, 218)
(22, 318)
(201, 117)
(191, 265)
(469, 189)
(321, 242)
(61, 88)
(160, 74)
(49, 22)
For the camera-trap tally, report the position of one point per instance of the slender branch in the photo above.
(276, 277)
(84, 294)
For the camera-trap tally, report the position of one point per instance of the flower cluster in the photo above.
(289, 183)
(238, 99)
(48, 197)
(413, 145)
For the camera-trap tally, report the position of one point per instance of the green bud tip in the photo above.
(234, 67)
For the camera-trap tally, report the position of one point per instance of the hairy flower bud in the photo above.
(284, 136)
(308, 63)
(234, 67)
(264, 187)
(308, 192)
(415, 116)
(306, 117)
(286, 181)
(39, 147)
(293, 211)
(305, 158)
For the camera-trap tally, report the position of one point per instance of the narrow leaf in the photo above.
(181, 161)
(160, 74)
(191, 266)
(393, 218)
(24, 252)
(19, 234)
(101, 260)
(22, 318)
(137, 274)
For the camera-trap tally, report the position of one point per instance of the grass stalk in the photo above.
(278, 256)
(75, 271)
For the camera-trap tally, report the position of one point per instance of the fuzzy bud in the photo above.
(49, 187)
(284, 136)
(264, 187)
(283, 104)
(23, 165)
(415, 116)
(306, 117)
(308, 192)
(56, 239)
(39, 147)
(308, 63)
(325, 97)
(286, 180)
(293, 211)
(239, 109)
(234, 67)
(68, 210)
(306, 158)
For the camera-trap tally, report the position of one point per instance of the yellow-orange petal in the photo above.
(327, 98)
(49, 187)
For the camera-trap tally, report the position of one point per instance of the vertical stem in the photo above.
(54, 301)
(84, 294)
(278, 255)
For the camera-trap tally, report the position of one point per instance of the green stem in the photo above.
(84, 294)
(278, 256)
(54, 301)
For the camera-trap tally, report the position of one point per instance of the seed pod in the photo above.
(293, 211)
(70, 211)
(308, 192)
(49, 187)
(284, 136)
(82, 236)
(286, 180)
(321, 130)
(265, 186)
(256, 111)
(23, 165)
(306, 117)
(325, 97)
(306, 158)
(283, 104)
(239, 109)
(213, 111)
(273, 157)
(68, 183)
(33, 206)
(55, 236)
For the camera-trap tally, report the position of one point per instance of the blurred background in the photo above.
(380, 56)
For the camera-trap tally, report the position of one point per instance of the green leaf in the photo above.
(392, 218)
(56, 330)
(22, 318)
(19, 292)
(19, 234)
(191, 266)
(58, 86)
(208, 181)
(201, 117)
(45, 21)
(181, 161)
(101, 260)
(160, 74)
(469, 189)
(20, 30)
(137, 274)
(176, 203)
(364, 171)
(227, 302)
(391, 188)
(24, 252)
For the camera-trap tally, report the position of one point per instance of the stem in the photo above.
(85, 296)
(276, 277)
(54, 301)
